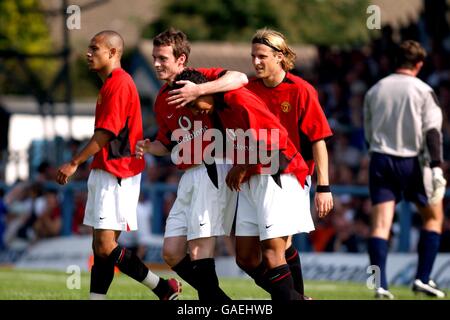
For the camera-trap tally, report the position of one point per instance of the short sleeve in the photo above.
(432, 113)
(314, 123)
(112, 108)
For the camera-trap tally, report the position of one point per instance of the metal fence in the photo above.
(156, 193)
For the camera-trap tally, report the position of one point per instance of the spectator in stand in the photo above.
(3, 213)
(48, 215)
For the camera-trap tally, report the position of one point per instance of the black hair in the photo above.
(196, 77)
(190, 75)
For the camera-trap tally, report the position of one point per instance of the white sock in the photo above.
(151, 280)
(97, 296)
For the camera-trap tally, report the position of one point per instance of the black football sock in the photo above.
(204, 270)
(129, 263)
(102, 274)
(427, 249)
(184, 270)
(257, 274)
(132, 266)
(293, 260)
(281, 283)
(378, 250)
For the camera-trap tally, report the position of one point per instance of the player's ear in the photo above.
(419, 65)
(112, 52)
(182, 59)
(279, 56)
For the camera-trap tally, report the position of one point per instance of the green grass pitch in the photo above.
(18, 284)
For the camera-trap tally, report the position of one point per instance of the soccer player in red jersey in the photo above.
(268, 201)
(204, 207)
(295, 102)
(114, 181)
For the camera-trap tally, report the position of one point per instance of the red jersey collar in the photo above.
(115, 72)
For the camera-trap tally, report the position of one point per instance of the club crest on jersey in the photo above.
(185, 123)
(285, 107)
(99, 98)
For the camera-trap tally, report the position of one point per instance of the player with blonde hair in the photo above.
(295, 102)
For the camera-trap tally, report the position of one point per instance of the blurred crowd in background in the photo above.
(31, 210)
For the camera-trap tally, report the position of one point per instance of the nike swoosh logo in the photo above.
(101, 218)
(202, 224)
(267, 227)
(170, 116)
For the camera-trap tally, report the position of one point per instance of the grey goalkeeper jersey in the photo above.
(398, 111)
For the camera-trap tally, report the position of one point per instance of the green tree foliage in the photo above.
(23, 29)
(326, 22)
(321, 22)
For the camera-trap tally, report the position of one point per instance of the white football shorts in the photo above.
(201, 209)
(110, 205)
(269, 211)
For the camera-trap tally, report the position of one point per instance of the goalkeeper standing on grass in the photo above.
(403, 121)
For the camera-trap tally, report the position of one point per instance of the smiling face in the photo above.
(166, 65)
(266, 62)
(98, 55)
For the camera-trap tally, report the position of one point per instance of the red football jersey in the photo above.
(241, 109)
(118, 111)
(187, 127)
(295, 102)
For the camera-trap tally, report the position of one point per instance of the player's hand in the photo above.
(439, 184)
(324, 203)
(235, 177)
(142, 146)
(184, 95)
(65, 172)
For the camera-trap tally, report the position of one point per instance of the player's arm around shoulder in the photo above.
(189, 92)
(323, 199)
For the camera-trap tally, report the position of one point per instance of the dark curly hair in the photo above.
(190, 75)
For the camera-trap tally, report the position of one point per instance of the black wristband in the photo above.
(435, 164)
(323, 188)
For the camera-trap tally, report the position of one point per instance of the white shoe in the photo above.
(381, 293)
(430, 288)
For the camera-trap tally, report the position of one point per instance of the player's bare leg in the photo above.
(174, 250)
(202, 248)
(248, 252)
(382, 217)
(432, 217)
